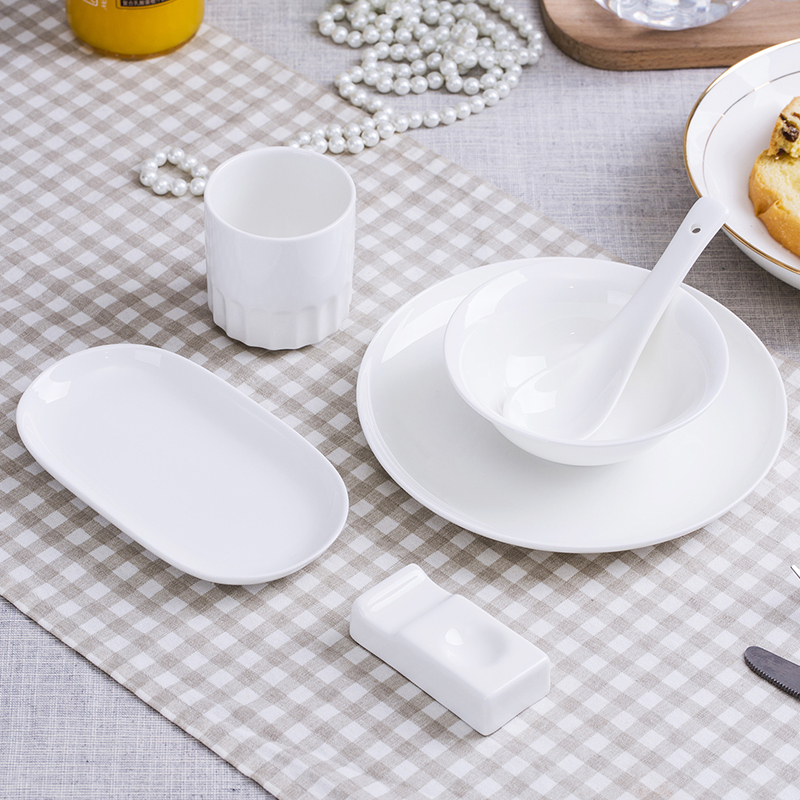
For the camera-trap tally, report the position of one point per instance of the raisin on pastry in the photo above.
(786, 134)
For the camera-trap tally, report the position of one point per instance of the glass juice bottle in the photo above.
(134, 28)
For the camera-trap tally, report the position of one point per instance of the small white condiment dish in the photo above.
(529, 318)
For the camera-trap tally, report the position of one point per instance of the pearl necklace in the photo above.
(416, 45)
(148, 173)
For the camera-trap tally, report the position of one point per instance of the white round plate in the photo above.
(729, 126)
(455, 463)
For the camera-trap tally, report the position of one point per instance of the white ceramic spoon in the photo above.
(573, 398)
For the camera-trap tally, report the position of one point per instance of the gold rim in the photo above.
(700, 99)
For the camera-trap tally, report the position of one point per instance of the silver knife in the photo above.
(778, 671)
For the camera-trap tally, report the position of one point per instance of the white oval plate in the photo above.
(186, 465)
(454, 462)
(729, 126)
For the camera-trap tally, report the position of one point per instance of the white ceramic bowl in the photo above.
(528, 318)
(729, 126)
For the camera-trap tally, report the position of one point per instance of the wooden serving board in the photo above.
(594, 36)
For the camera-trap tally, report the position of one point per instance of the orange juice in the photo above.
(134, 28)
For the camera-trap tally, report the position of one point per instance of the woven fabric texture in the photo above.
(650, 695)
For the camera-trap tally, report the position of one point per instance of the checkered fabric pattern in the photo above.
(650, 695)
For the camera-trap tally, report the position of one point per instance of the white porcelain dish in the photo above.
(182, 462)
(729, 126)
(461, 655)
(455, 463)
(531, 317)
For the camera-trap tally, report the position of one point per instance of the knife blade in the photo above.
(778, 671)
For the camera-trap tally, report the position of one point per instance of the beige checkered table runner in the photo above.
(650, 695)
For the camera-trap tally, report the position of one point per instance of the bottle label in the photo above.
(140, 3)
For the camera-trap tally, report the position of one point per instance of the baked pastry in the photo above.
(775, 180)
(775, 194)
(786, 134)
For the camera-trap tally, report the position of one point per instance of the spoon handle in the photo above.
(699, 226)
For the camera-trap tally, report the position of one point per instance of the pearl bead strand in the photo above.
(148, 173)
(414, 46)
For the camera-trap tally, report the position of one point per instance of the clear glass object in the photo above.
(672, 15)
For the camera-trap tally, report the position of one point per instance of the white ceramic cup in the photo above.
(280, 241)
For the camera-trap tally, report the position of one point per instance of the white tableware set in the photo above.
(703, 399)
(212, 483)
(560, 404)
(450, 456)
(188, 466)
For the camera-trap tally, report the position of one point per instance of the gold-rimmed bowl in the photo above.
(729, 126)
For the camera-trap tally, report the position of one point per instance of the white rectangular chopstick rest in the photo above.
(461, 656)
